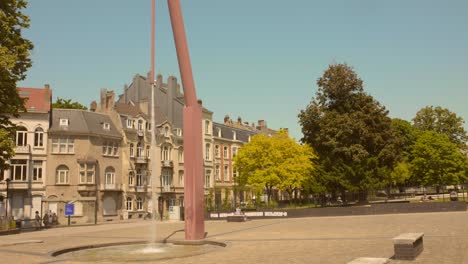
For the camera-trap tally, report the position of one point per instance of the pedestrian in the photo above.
(50, 217)
(54, 219)
(38, 220)
(45, 220)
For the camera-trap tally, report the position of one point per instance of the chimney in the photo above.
(48, 96)
(200, 102)
(93, 106)
(261, 123)
(239, 120)
(107, 100)
(226, 119)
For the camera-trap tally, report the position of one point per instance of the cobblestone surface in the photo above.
(301, 240)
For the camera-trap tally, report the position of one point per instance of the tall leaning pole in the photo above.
(192, 115)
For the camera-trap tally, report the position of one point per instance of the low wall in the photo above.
(372, 209)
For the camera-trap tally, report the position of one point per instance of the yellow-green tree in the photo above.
(272, 162)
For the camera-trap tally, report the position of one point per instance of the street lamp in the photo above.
(7, 180)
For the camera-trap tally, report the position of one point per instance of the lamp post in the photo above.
(7, 180)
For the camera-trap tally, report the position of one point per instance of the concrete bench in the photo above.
(237, 218)
(408, 246)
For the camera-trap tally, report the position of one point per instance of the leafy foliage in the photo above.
(68, 104)
(438, 161)
(276, 161)
(14, 62)
(443, 121)
(350, 131)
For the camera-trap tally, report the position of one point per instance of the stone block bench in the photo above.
(408, 246)
(237, 218)
(370, 261)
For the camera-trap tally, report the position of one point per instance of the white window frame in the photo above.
(217, 152)
(129, 123)
(226, 172)
(21, 138)
(64, 122)
(131, 178)
(106, 126)
(39, 137)
(207, 151)
(140, 179)
(87, 170)
(38, 170)
(217, 172)
(207, 178)
(139, 202)
(110, 177)
(225, 152)
(68, 145)
(129, 204)
(181, 178)
(19, 170)
(132, 150)
(60, 173)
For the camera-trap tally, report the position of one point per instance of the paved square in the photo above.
(301, 240)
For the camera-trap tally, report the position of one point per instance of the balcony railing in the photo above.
(140, 188)
(111, 187)
(167, 188)
(140, 133)
(167, 163)
(86, 187)
(23, 149)
(141, 160)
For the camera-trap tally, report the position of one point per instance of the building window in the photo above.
(166, 177)
(129, 123)
(64, 122)
(234, 135)
(226, 172)
(132, 154)
(148, 151)
(63, 145)
(37, 170)
(61, 176)
(140, 125)
(217, 174)
(129, 204)
(207, 151)
(225, 152)
(21, 137)
(181, 155)
(181, 178)
(19, 170)
(87, 171)
(219, 132)
(166, 153)
(234, 151)
(207, 178)
(139, 204)
(139, 150)
(217, 151)
(166, 131)
(110, 175)
(130, 178)
(139, 178)
(148, 126)
(39, 137)
(207, 127)
(106, 126)
(110, 148)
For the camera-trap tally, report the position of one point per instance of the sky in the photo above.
(260, 59)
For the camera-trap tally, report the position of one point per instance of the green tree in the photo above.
(277, 161)
(400, 175)
(437, 161)
(68, 104)
(14, 62)
(443, 121)
(406, 134)
(350, 131)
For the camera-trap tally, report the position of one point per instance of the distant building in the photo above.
(84, 165)
(29, 165)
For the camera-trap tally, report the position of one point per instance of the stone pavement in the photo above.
(300, 240)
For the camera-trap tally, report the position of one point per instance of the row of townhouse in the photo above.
(101, 160)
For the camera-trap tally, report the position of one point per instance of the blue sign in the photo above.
(69, 209)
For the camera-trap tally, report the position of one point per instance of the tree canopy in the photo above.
(274, 162)
(350, 131)
(437, 161)
(443, 121)
(68, 104)
(14, 62)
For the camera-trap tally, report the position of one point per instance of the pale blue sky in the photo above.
(259, 59)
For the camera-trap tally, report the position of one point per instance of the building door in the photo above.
(109, 206)
(53, 207)
(36, 205)
(17, 207)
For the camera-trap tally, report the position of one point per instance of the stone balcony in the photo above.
(23, 149)
(167, 163)
(113, 187)
(141, 188)
(141, 160)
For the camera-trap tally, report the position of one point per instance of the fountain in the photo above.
(194, 242)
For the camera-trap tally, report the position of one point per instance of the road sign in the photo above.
(69, 209)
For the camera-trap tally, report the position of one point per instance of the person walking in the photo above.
(38, 220)
(45, 220)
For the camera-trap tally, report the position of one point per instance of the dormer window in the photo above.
(234, 135)
(219, 132)
(140, 125)
(63, 122)
(166, 131)
(129, 123)
(178, 132)
(106, 126)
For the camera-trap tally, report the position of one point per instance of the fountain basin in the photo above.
(135, 251)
